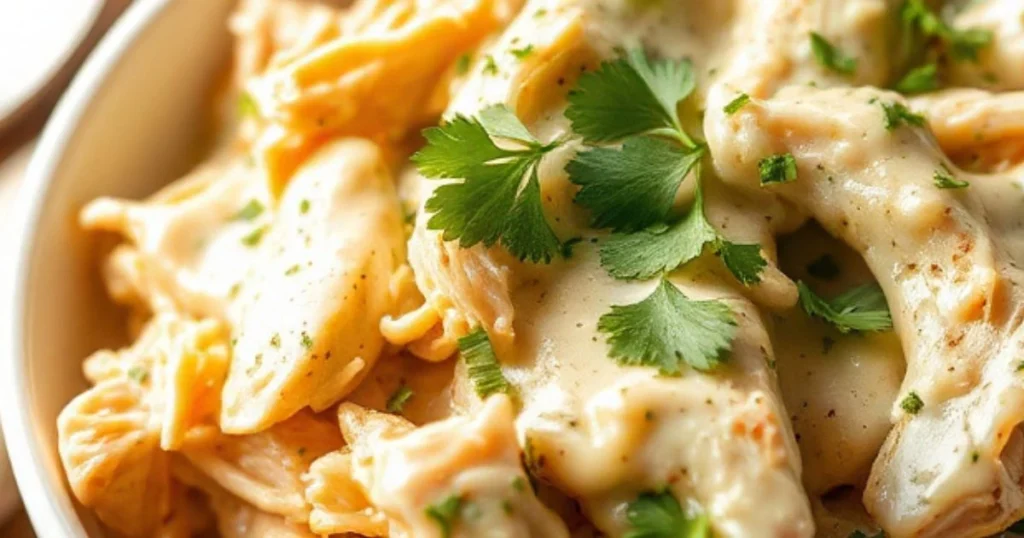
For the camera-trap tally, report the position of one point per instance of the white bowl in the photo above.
(132, 120)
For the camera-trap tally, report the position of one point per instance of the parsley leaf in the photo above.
(667, 329)
(633, 187)
(462, 64)
(629, 96)
(662, 248)
(398, 399)
(744, 261)
(860, 309)
(482, 364)
(736, 104)
(138, 374)
(523, 52)
(493, 202)
(254, 237)
(246, 106)
(445, 513)
(962, 44)
(831, 57)
(897, 114)
(919, 80)
(777, 169)
(251, 210)
(912, 403)
(658, 515)
(944, 179)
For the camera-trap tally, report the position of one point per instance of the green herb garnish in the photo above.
(498, 197)
(860, 309)
(659, 515)
(831, 57)
(482, 365)
(668, 329)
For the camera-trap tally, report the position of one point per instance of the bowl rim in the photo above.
(50, 515)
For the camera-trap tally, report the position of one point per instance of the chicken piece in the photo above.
(236, 518)
(265, 469)
(838, 388)
(979, 130)
(582, 411)
(953, 468)
(405, 473)
(269, 32)
(187, 247)
(381, 77)
(308, 315)
(111, 453)
(146, 399)
(603, 433)
(998, 66)
(338, 502)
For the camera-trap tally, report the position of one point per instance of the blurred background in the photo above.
(42, 44)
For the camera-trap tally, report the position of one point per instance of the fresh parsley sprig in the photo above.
(919, 80)
(445, 513)
(944, 179)
(661, 248)
(920, 22)
(831, 56)
(632, 188)
(629, 96)
(498, 197)
(668, 329)
(632, 100)
(861, 309)
(659, 515)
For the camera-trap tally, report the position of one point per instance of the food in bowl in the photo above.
(577, 268)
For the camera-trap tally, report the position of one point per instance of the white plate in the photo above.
(36, 40)
(129, 123)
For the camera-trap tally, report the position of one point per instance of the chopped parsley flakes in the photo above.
(246, 106)
(860, 309)
(522, 52)
(445, 513)
(659, 515)
(254, 237)
(397, 400)
(667, 329)
(251, 210)
(498, 198)
(736, 104)
(482, 365)
(462, 64)
(777, 169)
(944, 179)
(490, 66)
(831, 57)
(921, 23)
(912, 403)
(138, 374)
(897, 114)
